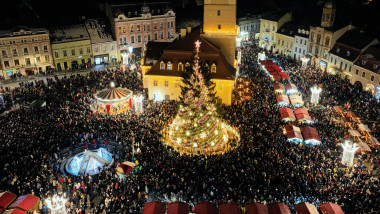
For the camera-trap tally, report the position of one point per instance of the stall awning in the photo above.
(178, 208)
(291, 128)
(276, 68)
(295, 99)
(283, 75)
(256, 208)
(306, 208)
(354, 133)
(364, 128)
(330, 208)
(6, 199)
(374, 140)
(291, 88)
(205, 208)
(310, 135)
(338, 109)
(364, 147)
(25, 202)
(293, 135)
(287, 114)
(279, 87)
(229, 208)
(282, 99)
(279, 208)
(154, 207)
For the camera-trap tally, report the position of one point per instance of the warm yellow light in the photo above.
(203, 135)
(195, 145)
(195, 125)
(187, 133)
(176, 128)
(212, 143)
(216, 132)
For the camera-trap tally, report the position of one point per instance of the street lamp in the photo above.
(349, 153)
(315, 91)
(57, 204)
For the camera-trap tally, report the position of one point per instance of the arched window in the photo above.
(162, 65)
(213, 68)
(170, 66)
(327, 41)
(180, 66)
(187, 65)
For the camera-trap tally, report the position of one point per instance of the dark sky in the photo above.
(45, 13)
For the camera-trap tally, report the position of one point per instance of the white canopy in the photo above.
(363, 127)
(354, 133)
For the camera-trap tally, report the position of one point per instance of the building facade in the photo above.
(346, 50)
(285, 39)
(366, 72)
(25, 51)
(269, 24)
(103, 45)
(301, 43)
(249, 28)
(134, 29)
(71, 47)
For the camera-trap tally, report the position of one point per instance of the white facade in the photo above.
(249, 28)
(301, 43)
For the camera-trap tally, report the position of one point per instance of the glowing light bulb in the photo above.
(201, 114)
(195, 145)
(176, 128)
(225, 137)
(191, 113)
(187, 133)
(203, 135)
(216, 131)
(208, 124)
(212, 143)
(195, 125)
(178, 140)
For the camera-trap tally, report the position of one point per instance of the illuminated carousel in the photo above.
(113, 100)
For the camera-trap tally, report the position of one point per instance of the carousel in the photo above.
(113, 100)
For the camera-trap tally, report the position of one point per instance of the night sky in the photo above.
(45, 13)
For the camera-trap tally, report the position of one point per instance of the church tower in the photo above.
(219, 26)
(328, 14)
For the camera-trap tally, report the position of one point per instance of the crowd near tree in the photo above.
(264, 167)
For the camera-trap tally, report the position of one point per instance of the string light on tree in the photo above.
(349, 153)
(315, 91)
(197, 123)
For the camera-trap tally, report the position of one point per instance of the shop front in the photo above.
(101, 59)
(323, 65)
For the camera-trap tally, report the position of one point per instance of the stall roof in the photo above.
(364, 147)
(283, 75)
(354, 133)
(374, 140)
(291, 88)
(310, 134)
(267, 62)
(205, 208)
(352, 114)
(14, 211)
(294, 134)
(291, 128)
(229, 208)
(6, 198)
(301, 111)
(273, 73)
(330, 208)
(295, 99)
(178, 208)
(276, 68)
(363, 127)
(279, 208)
(154, 207)
(287, 113)
(25, 202)
(303, 117)
(277, 77)
(269, 68)
(306, 208)
(282, 98)
(338, 109)
(256, 208)
(278, 87)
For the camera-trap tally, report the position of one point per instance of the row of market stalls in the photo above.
(156, 207)
(11, 204)
(359, 131)
(288, 96)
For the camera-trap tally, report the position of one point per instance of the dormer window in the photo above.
(180, 66)
(364, 61)
(375, 66)
(337, 50)
(162, 65)
(187, 65)
(213, 68)
(169, 66)
(348, 53)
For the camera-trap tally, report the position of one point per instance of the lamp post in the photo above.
(57, 204)
(315, 91)
(349, 153)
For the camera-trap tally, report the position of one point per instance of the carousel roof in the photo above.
(113, 94)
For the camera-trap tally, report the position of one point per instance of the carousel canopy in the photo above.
(113, 95)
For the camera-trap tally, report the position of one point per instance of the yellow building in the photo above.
(71, 47)
(163, 79)
(269, 24)
(285, 39)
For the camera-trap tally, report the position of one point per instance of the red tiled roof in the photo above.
(6, 198)
(282, 98)
(287, 113)
(178, 208)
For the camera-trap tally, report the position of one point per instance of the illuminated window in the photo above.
(187, 65)
(166, 83)
(162, 66)
(131, 27)
(177, 84)
(155, 83)
(213, 68)
(180, 66)
(123, 29)
(169, 66)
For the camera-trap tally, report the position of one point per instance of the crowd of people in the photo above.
(264, 167)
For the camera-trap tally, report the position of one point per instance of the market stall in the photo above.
(287, 114)
(302, 115)
(113, 100)
(330, 208)
(310, 135)
(278, 208)
(178, 208)
(354, 133)
(338, 109)
(154, 207)
(373, 141)
(282, 100)
(28, 203)
(279, 88)
(293, 134)
(256, 208)
(296, 100)
(229, 208)
(306, 208)
(6, 199)
(205, 208)
(364, 129)
(291, 88)
(364, 147)
(284, 75)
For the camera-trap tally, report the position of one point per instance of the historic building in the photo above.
(366, 72)
(137, 23)
(71, 47)
(301, 42)
(103, 45)
(249, 28)
(322, 38)
(269, 24)
(346, 50)
(285, 39)
(24, 51)
(161, 76)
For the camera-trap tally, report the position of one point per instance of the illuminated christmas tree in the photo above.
(197, 128)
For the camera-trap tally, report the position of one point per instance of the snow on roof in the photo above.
(70, 33)
(97, 31)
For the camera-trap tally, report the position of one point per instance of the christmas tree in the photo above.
(197, 128)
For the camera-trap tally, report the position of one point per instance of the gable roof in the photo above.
(369, 58)
(154, 50)
(182, 51)
(288, 29)
(355, 39)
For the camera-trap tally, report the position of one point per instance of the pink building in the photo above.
(134, 29)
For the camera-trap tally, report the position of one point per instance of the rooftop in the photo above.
(370, 59)
(154, 50)
(135, 8)
(97, 31)
(288, 29)
(355, 39)
(273, 16)
(22, 31)
(69, 33)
